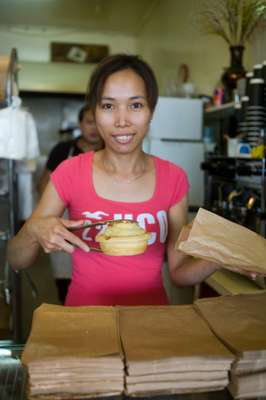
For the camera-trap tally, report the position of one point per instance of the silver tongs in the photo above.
(88, 224)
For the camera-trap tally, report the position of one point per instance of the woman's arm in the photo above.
(44, 179)
(184, 270)
(46, 229)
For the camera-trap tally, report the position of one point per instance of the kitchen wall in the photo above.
(37, 73)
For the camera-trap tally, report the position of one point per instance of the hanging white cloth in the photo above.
(18, 134)
(26, 190)
(19, 142)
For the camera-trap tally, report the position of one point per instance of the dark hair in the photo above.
(119, 62)
(82, 112)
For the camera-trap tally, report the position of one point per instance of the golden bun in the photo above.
(123, 238)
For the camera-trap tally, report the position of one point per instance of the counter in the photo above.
(225, 282)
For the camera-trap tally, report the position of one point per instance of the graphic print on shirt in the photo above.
(156, 224)
(95, 215)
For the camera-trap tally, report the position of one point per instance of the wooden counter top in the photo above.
(227, 282)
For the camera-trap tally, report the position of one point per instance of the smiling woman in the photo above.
(119, 182)
(123, 92)
(123, 114)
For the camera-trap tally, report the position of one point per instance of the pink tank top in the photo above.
(98, 279)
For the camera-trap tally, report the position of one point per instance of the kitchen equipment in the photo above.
(9, 195)
(235, 189)
(13, 376)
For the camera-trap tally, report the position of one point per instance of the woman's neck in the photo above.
(124, 168)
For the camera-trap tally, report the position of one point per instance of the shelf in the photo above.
(26, 94)
(223, 111)
(225, 282)
(54, 77)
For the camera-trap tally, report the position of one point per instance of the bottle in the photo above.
(257, 71)
(249, 76)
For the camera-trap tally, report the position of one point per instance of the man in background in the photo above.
(87, 141)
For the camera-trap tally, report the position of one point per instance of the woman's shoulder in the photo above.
(172, 180)
(168, 167)
(80, 158)
(77, 162)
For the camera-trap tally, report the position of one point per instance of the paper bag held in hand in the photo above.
(217, 239)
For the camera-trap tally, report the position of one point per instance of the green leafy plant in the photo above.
(232, 20)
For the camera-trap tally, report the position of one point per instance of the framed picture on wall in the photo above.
(78, 53)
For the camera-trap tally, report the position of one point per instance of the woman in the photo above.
(120, 181)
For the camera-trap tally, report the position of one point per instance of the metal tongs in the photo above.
(88, 224)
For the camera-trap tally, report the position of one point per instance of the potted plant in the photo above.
(234, 21)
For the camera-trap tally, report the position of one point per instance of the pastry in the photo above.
(123, 238)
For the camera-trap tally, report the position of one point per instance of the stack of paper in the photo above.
(170, 349)
(240, 323)
(74, 352)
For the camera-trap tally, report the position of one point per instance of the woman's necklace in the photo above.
(123, 180)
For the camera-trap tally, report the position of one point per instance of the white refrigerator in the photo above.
(176, 135)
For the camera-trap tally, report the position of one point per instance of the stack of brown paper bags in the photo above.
(217, 239)
(170, 349)
(239, 321)
(74, 352)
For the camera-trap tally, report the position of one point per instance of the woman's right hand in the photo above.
(52, 234)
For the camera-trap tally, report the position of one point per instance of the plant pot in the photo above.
(234, 72)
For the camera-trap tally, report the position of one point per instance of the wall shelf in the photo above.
(219, 112)
(65, 78)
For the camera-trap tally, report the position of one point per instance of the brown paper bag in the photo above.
(239, 321)
(169, 333)
(72, 332)
(217, 239)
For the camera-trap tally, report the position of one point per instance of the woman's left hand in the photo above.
(249, 274)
